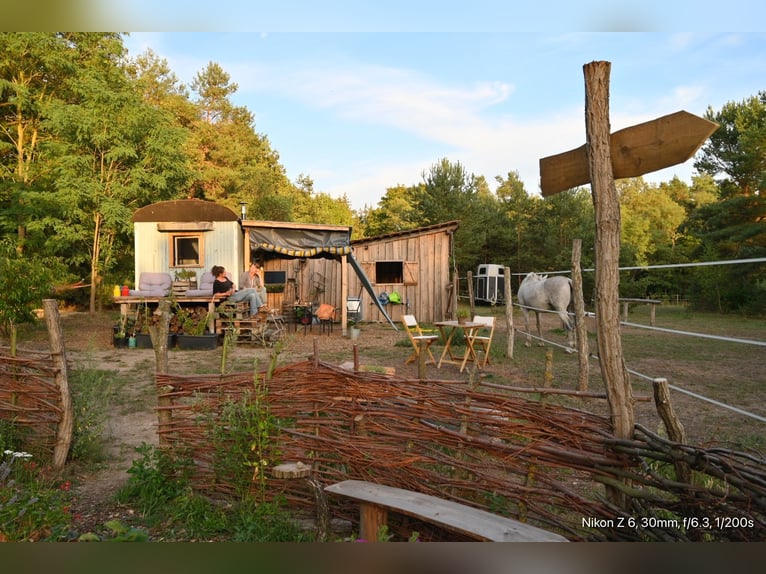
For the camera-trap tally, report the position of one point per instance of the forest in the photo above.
(89, 134)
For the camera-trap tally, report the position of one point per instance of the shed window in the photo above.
(388, 272)
(186, 249)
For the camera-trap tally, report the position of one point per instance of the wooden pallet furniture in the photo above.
(263, 328)
(375, 500)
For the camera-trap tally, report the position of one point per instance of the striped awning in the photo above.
(301, 243)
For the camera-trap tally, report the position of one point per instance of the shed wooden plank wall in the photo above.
(425, 252)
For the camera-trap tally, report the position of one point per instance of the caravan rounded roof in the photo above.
(184, 210)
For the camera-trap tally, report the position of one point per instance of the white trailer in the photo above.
(489, 284)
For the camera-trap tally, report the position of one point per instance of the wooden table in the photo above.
(448, 330)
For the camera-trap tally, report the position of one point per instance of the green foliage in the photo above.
(124, 533)
(264, 522)
(24, 283)
(32, 506)
(159, 487)
(245, 429)
(92, 392)
(155, 480)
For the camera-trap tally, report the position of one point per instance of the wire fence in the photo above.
(676, 388)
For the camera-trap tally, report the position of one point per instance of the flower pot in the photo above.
(144, 341)
(208, 341)
(354, 333)
(120, 342)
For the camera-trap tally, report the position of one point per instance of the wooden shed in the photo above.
(415, 264)
(186, 234)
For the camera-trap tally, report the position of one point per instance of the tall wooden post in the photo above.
(58, 353)
(471, 302)
(508, 312)
(581, 326)
(607, 212)
(159, 337)
(344, 295)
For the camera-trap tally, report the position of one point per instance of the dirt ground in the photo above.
(132, 420)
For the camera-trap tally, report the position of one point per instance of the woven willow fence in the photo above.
(540, 463)
(30, 397)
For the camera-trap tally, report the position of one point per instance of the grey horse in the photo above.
(546, 293)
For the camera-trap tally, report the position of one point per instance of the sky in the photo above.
(362, 97)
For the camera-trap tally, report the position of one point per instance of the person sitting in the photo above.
(253, 278)
(223, 288)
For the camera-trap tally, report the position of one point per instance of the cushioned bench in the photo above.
(152, 284)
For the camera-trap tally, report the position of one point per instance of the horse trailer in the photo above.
(489, 284)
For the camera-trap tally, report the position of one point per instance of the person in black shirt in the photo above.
(223, 288)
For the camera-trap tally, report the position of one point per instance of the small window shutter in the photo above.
(411, 270)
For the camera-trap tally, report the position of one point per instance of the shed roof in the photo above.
(446, 226)
(184, 210)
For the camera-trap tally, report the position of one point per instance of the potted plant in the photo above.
(120, 332)
(183, 280)
(353, 330)
(192, 325)
(462, 316)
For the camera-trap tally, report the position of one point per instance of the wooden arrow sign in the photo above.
(636, 150)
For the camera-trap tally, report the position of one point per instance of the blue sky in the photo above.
(361, 111)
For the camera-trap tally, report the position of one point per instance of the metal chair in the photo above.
(417, 338)
(326, 315)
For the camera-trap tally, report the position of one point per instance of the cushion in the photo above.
(325, 312)
(152, 284)
(205, 286)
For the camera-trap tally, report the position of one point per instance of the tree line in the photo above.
(89, 134)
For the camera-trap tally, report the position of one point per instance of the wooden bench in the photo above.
(626, 301)
(377, 499)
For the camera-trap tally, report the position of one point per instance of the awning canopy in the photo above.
(306, 240)
(301, 243)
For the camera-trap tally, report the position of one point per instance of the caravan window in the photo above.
(186, 249)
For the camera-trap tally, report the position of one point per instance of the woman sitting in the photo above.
(223, 287)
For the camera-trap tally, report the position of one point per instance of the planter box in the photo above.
(120, 342)
(144, 341)
(208, 341)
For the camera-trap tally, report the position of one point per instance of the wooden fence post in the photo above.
(471, 302)
(607, 213)
(508, 298)
(581, 326)
(159, 336)
(58, 353)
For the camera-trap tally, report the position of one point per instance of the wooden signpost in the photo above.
(636, 150)
(630, 152)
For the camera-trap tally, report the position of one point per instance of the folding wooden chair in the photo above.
(417, 337)
(481, 339)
